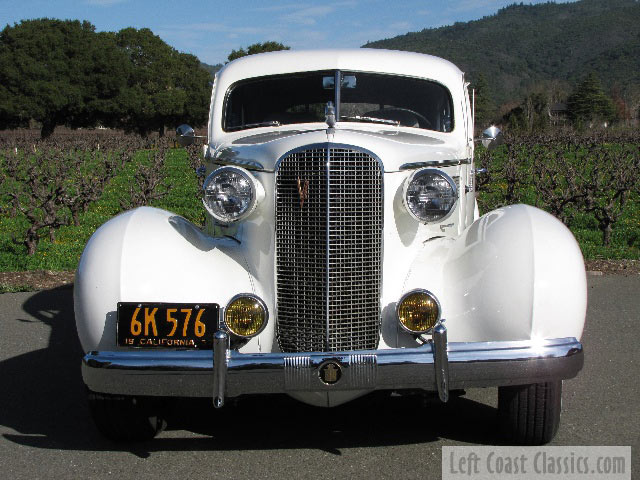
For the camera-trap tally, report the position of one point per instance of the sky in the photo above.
(211, 29)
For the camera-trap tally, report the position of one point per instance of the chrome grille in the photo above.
(328, 250)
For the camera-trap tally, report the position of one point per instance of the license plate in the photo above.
(166, 325)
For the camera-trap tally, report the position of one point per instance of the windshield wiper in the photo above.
(270, 123)
(360, 118)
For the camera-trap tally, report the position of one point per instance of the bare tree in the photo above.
(148, 182)
(612, 177)
(558, 178)
(196, 163)
(92, 171)
(37, 186)
(512, 171)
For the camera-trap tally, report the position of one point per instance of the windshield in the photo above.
(360, 97)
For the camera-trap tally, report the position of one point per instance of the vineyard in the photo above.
(588, 181)
(55, 193)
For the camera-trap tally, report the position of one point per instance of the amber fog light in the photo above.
(418, 311)
(246, 315)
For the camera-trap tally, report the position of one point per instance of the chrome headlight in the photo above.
(231, 194)
(429, 195)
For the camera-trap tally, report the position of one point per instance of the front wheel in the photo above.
(530, 414)
(124, 418)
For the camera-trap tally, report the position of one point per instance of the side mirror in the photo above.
(491, 136)
(185, 135)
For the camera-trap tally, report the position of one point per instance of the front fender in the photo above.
(516, 273)
(151, 255)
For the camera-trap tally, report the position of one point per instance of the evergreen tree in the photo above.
(484, 108)
(58, 73)
(164, 87)
(589, 103)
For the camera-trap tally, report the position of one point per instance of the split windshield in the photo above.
(361, 97)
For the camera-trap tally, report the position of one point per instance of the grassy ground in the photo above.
(9, 288)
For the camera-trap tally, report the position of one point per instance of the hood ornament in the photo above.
(330, 114)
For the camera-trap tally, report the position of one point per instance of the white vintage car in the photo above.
(342, 231)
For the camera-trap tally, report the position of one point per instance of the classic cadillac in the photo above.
(343, 253)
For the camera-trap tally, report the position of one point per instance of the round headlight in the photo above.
(231, 193)
(418, 311)
(246, 315)
(429, 195)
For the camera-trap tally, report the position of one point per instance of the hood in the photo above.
(395, 148)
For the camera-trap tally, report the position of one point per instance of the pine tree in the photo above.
(589, 103)
(483, 103)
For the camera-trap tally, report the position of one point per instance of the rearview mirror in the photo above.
(348, 81)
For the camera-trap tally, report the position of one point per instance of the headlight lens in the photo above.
(230, 194)
(429, 195)
(246, 315)
(418, 311)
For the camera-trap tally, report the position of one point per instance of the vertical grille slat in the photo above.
(329, 250)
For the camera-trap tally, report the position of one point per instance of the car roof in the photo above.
(356, 59)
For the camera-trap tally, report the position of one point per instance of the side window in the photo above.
(410, 102)
(285, 99)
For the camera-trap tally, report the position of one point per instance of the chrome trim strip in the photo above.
(327, 300)
(434, 163)
(238, 162)
(441, 361)
(294, 373)
(363, 370)
(247, 164)
(190, 373)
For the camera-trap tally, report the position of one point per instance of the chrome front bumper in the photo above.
(435, 366)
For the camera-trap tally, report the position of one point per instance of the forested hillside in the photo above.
(524, 48)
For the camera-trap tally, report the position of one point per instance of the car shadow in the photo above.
(44, 401)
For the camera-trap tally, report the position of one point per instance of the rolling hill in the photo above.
(525, 48)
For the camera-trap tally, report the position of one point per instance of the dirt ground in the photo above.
(36, 279)
(47, 279)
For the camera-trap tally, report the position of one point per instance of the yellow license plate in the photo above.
(167, 325)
